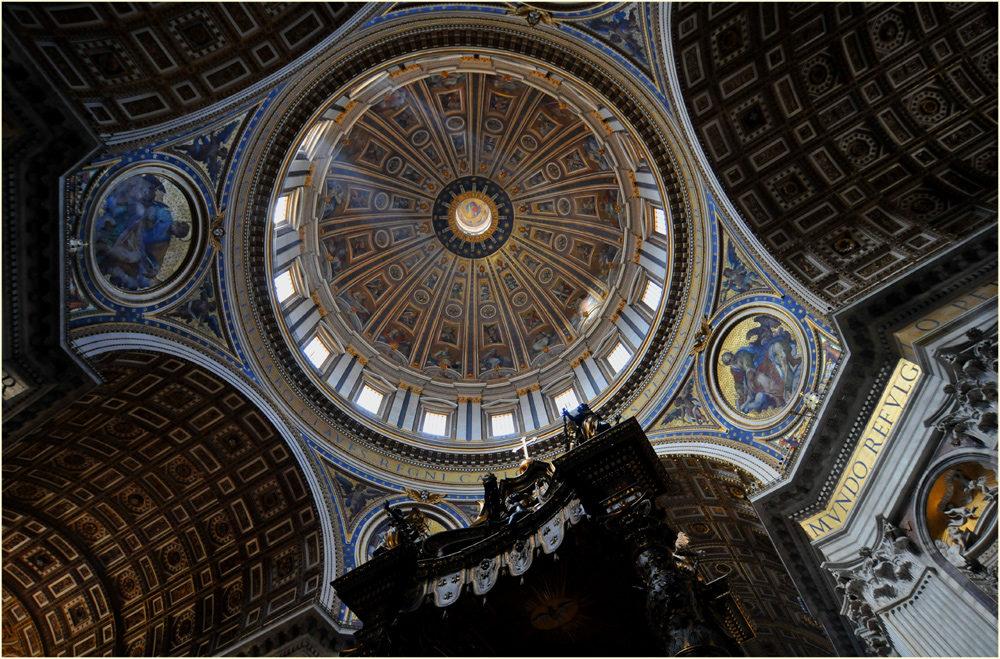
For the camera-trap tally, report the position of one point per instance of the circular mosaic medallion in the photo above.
(381, 201)
(529, 142)
(488, 311)
(454, 123)
(421, 137)
(453, 310)
(473, 216)
(760, 366)
(394, 164)
(142, 231)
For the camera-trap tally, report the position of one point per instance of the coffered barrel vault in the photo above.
(853, 140)
(152, 516)
(131, 66)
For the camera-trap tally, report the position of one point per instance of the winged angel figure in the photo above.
(531, 14)
(423, 496)
(209, 150)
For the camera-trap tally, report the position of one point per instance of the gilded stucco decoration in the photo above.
(688, 408)
(739, 275)
(547, 306)
(788, 123)
(211, 152)
(128, 66)
(961, 512)
(362, 225)
(152, 516)
(201, 311)
(732, 543)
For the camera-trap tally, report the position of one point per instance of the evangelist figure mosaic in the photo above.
(686, 409)
(141, 233)
(210, 150)
(760, 366)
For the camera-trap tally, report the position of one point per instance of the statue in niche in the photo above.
(966, 500)
(982, 484)
(958, 517)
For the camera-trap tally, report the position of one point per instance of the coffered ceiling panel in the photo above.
(854, 139)
(127, 65)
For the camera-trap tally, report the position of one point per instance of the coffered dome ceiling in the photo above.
(461, 225)
(471, 227)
